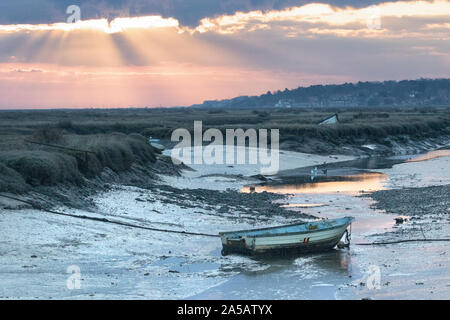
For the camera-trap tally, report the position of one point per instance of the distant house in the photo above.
(283, 104)
(330, 120)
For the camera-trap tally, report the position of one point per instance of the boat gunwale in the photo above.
(322, 245)
(351, 219)
(297, 245)
(291, 233)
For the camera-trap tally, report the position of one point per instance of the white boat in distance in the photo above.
(295, 238)
(156, 143)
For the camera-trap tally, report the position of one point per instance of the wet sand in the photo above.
(123, 263)
(404, 271)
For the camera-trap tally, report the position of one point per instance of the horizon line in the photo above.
(28, 108)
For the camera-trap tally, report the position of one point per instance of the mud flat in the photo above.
(119, 262)
(37, 247)
(416, 202)
(376, 191)
(427, 211)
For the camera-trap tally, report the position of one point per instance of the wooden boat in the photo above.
(294, 238)
(156, 144)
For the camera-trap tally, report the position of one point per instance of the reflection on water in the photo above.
(303, 205)
(430, 155)
(333, 260)
(312, 276)
(321, 276)
(351, 184)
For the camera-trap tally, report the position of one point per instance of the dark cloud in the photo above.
(33, 11)
(188, 12)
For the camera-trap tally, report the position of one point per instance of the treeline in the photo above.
(405, 93)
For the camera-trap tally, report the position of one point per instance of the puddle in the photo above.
(315, 276)
(351, 184)
(342, 179)
(430, 155)
(304, 205)
(339, 273)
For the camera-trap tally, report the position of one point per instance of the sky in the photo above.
(151, 53)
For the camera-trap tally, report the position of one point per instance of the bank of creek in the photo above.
(120, 262)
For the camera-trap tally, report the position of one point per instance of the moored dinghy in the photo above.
(298, 238)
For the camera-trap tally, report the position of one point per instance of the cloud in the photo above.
(157, 59)
(320, 18)
(116, 25)
(382, 20)
(438, 26)
(27, 70)
(188, 12)
(261, 39)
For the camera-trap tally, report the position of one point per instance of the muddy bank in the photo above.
(227, 202)
(434, 201)
(389, 146)
(121, 262)
(356, 146)
(421, 213)
(79, 196)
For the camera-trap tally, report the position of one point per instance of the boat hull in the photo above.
(276, 242)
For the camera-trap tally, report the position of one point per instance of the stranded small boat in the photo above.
(296, 238)
(156, 143)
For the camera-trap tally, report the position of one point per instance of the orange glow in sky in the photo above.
(155, 61)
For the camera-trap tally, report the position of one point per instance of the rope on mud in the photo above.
(58, 147)
(399, 241)
(38, 207)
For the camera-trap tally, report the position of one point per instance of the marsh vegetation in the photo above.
(96, 139)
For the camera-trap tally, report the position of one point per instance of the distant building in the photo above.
(283, 104)
(330, 120)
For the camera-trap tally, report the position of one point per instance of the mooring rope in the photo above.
(399, 241)
(38, 207)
